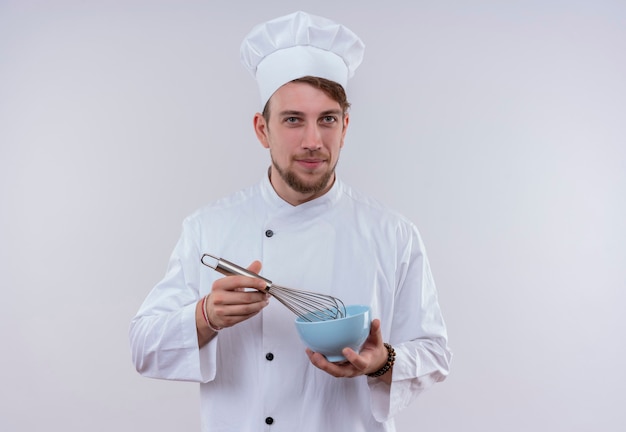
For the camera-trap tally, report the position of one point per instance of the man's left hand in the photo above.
(372, 357)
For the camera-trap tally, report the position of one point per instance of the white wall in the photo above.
(498, 127)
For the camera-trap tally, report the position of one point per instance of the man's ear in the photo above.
(260, 129)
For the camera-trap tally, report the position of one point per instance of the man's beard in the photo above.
(301, 186)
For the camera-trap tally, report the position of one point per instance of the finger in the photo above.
(320, 362)
(317, 359)
(226, 308)
(230, 303)
(231, 320)
(229, 315)
(359, 362)
(237, 297)
(375, 337)
(375, 327)
(255, 267)
(338, 370)
(238, 283)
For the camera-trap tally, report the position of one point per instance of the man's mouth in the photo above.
(310, 163)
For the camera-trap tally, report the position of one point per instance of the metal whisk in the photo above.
(308, 305)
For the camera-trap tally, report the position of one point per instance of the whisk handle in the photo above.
(228, 268)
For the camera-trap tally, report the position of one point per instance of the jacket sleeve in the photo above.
(163, 337)
(416, 329)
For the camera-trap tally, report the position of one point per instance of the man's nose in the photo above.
(312, 139)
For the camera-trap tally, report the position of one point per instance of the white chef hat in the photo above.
(297, 45)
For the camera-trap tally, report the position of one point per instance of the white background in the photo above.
(498, 127)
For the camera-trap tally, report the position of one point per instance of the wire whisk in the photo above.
(309, 306)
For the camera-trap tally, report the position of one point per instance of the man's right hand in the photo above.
(230, 303)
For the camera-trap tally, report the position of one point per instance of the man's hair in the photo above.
(332, 89)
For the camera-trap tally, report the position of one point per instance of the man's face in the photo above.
(305, 134)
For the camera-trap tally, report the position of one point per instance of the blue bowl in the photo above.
(330, 337)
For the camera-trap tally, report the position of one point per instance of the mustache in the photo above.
(314, 154)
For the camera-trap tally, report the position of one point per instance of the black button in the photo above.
(269, 356)
(269, 420)
(269, 233)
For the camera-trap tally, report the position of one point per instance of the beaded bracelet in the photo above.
(205, 314)
(391, 358)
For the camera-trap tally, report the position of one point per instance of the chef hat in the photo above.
(297, 45)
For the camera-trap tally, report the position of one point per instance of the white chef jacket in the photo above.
(255, 375)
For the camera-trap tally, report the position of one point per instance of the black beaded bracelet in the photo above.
(391, 358)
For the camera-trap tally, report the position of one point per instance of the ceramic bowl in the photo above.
(330, 337)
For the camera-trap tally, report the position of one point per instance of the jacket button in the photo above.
(269, 356)
(269, 233)
(269, 420)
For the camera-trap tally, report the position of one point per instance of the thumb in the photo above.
(375, 327)
(255, 267)
(375, 335)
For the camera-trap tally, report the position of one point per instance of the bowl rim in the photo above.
(365, 309)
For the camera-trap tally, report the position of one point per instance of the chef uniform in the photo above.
(255, 375)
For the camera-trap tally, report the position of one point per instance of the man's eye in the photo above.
(329, 119)
(291, 120)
